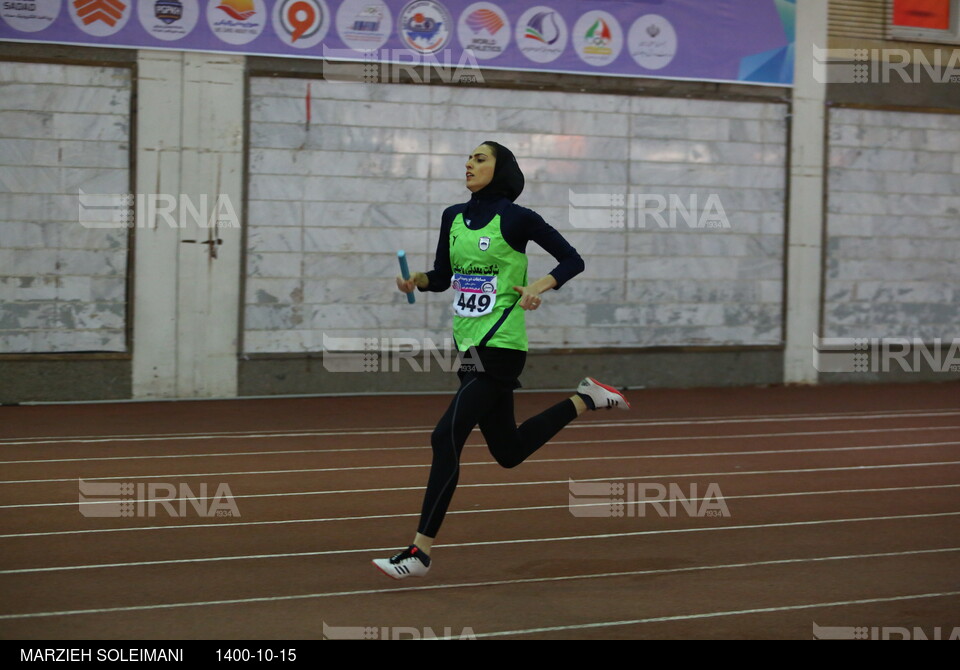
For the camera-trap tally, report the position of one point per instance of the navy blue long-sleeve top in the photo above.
(518, 225)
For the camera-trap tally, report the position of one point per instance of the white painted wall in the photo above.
(63, 128)
(332, 201)
(892, 225)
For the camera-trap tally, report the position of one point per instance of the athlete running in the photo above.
(481, 254)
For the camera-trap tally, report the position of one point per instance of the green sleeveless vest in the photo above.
(485, 270)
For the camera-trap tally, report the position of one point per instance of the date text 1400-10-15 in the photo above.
(246, 655)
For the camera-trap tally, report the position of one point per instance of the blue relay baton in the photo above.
(405, 273)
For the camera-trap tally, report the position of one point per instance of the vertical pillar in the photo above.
(806, 214)
(187, 251)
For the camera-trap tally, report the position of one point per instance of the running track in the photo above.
(844, 511)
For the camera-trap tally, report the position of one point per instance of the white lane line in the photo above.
(338, 552)
(214, 436)
(510, 582)
(485, 463)
(83, 439)
(710, 615)
(529, 483)
(468, 446)
(494, 510)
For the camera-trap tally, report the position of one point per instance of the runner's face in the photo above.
(480, 166)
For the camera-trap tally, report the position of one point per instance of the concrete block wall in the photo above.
(327, 203)
(63, 128)
(893, 225)
(330, 202)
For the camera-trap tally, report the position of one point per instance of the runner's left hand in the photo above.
(529, 298)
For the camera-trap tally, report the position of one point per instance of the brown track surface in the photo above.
(843, 506)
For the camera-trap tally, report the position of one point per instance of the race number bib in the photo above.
(474, 295)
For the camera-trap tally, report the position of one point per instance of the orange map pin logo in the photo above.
(300, 23)
(302, 16)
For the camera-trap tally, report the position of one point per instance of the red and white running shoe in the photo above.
(411, 562)
(601, 396)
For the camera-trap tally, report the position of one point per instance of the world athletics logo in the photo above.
(485, 19)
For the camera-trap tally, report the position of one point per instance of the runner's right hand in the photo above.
(408, 285)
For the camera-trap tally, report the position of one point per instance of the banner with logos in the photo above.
(747, 41)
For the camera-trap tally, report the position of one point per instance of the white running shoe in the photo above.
(601, 396)
(411, 562)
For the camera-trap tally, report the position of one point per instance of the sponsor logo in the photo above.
(168, 11)
(542, 27)
(652, 42)
(424, 26)
(485, 19)
(169, 19)
(100, 17)
(598, 38)
(484, 30)
(239, 10)
(364, 25)
(300, 23)
(237, 21)
(541, 34)
(30, 17)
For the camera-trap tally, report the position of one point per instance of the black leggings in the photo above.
(485, 401)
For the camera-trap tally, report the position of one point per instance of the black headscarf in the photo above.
(507, 179)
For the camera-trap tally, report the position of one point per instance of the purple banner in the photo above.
(712, 40)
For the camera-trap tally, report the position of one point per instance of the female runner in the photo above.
(481, 254)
